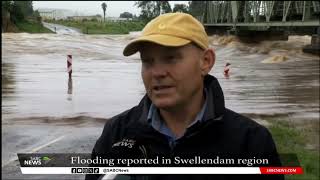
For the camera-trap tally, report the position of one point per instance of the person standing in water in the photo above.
(226, 70)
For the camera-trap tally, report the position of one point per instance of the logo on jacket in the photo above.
(125, 143)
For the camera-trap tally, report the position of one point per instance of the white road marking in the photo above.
(51, 142)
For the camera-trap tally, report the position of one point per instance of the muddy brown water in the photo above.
(35, 82)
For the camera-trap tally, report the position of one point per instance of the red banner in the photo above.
(281, 170)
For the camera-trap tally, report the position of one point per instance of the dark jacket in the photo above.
(224, 132)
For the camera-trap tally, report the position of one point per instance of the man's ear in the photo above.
(208, 60)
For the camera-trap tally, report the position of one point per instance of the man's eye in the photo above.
(171, 59)
(146, 61)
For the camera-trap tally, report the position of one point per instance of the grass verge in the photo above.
(32, 27)
(108, 27)
(292, 139)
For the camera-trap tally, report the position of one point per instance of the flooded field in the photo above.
(42, 110)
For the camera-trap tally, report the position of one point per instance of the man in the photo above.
(183, 111)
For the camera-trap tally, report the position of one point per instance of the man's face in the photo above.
(172, 76)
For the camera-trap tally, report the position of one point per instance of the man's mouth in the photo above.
(162, 89)
(157, 88)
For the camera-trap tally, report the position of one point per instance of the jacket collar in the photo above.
(215, 107)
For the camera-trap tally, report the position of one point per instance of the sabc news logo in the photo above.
(84, 170)
(37, 161)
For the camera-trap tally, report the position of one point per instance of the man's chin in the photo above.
(163, 104)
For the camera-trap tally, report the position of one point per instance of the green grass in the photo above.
(293, 140)
(31, 27)
(94, 27)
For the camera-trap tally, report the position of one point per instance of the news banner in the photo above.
(214, 164)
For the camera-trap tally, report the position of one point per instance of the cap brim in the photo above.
(164, 40)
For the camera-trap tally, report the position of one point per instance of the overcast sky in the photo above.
(114, 8)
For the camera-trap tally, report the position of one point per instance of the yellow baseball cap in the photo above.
(171, 29)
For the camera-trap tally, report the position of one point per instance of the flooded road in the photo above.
(40, 105)
(60, 29)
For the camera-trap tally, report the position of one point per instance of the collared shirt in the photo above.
(155, 120)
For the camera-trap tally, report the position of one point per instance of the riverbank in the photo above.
(301, 139)
(30, 26)
(108, 27)
(26, 25)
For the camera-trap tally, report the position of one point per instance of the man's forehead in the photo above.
(158, 46)
(151, 47)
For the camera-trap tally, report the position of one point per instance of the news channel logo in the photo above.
(37, 161)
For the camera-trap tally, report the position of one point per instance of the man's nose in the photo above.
(159, 70)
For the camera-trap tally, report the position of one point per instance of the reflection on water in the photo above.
(70, 88)
(7, 78)
(267, 78)
(70, 85)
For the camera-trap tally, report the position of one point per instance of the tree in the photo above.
(6, 6)
(6, 9)
(36, 14)
(19, 10)
(180, 8)
(147, 9)
(17, 13)
(126, 15)
(165, 7)
(27, 8)
(152, 9)
(196, 8)
(104, 8)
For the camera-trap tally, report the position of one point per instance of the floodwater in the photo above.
(105, 83)
(44, 111)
